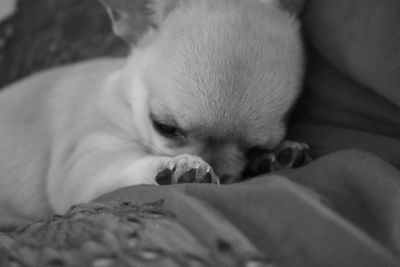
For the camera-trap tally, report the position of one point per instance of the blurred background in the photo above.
(35, 35)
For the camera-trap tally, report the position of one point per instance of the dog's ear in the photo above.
(294, 7)
(132, 18)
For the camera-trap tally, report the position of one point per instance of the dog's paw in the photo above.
(291, 154)
(288, 155)
(185, 169)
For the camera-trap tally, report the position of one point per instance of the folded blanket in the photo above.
(345, 213)
(329, 213)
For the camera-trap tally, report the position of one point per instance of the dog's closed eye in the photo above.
(167, 130)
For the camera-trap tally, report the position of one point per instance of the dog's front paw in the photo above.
(185, 169)
(288, 155)
(291, 154)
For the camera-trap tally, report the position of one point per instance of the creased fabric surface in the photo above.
(341, 210)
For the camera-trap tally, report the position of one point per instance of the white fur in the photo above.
(225, 71)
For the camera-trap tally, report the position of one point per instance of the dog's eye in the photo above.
(168, 131)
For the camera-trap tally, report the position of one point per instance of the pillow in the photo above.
(351, 97)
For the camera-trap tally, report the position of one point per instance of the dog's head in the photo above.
(210, 77)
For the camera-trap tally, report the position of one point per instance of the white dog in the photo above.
(206, 81)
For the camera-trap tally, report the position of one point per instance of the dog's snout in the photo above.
(226, 160)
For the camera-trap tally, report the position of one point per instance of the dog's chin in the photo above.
(229, 179)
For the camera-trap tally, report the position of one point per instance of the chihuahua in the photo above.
(205, 82)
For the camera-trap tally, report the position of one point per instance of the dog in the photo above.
(205, 82)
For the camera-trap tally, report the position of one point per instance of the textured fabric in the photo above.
(346, 213)
(123, 234)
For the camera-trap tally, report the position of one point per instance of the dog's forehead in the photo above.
(226, 54)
